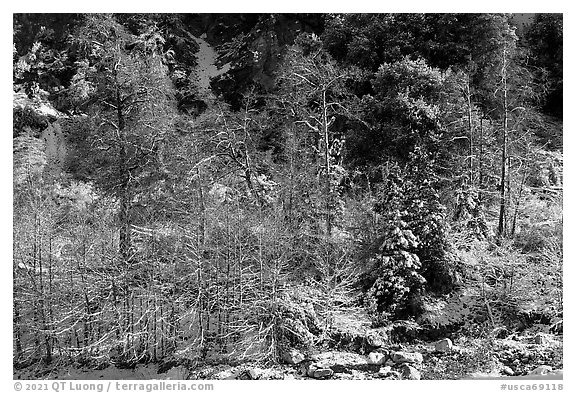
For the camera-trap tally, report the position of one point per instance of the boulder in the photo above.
(292, 356)
(339, 361)
(457, 349)
(251, 373)
(541, 370)
(376, 358)
(322, 373)
(385, 371)
(507, 371)
(225, 374)
(407, 357)
(343, 376)
(307, 369)
(541, 338)
(444, 345)
(275, 374)
(254, 373)
(409, 372)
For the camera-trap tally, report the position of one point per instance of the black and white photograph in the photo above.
(286, 196)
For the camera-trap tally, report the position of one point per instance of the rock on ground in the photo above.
(541, 370)
(376, 358)
(407, 357)
(307, 369)
(292, 356)
(322, 373)
(229, 373)
(541, 338)
(507, 370)
(387, 372)
(444, 345)
(339, 361)
(384, 371)
(409, 372)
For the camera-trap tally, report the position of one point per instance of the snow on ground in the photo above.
(206, 68)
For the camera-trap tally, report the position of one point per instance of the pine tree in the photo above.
(121, 84)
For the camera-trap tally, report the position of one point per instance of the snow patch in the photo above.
(207, 68)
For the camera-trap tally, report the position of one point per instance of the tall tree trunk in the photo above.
(328, 190)
(42, 299)
(200, 266)
(35, 316)
(248, 178)
(470, 134)
(508, 195)
(125, 245)
(502, 216)
(17, 331)
(481, 162)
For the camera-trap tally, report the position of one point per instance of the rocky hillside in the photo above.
(382, 353)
